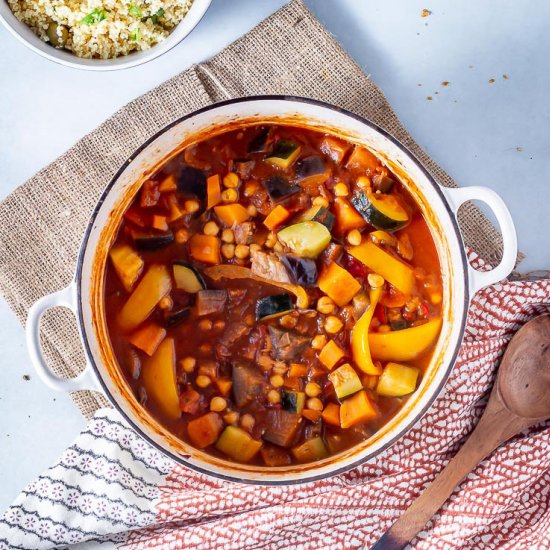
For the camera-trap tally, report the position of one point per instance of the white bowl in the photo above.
(438, 204)
(26, 36)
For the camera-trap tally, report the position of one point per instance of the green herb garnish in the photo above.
(94, 17)
(155, 17)
(136, 35)
(135, 11)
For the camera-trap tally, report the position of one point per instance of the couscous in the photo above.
(101, 28)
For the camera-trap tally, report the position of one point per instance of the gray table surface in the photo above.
(484, 128)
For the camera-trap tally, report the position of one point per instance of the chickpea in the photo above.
(242, 251)
(314, 403)
(252, 210)
(319, 341)
(218, 404)
(375, 280)
(228, 236)
(192, 206)
(384, 328)
(231, 417)
(206, 348)
(276, 381)
(320, 201)
(325, 305)
(205, 324)
(265, 362)
(254, 248)
(219, 324)
(280, 367)
(333, 324)
(288, 321)
(211, 229)
(228, 251)
(230, 195)
(247, 421)
(312, 389)
(166, 303)
(341, 190)
(182, 236)
(188, 364)
(231, 180)
(274, 397)
(363, 182)
(354, 237)
(203, 381)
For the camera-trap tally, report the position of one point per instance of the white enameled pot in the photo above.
(438, 204)
(26, 36)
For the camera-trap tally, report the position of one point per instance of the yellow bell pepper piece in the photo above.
(406, 344)
(396, 272)
(360, 347)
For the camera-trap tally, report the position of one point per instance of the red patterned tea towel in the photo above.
(111, 489)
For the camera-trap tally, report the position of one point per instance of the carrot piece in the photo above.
(213, 191)
(297, 370)
(205, 429)
(168, 184)
(363, 160)
(331, 414)
(148, 338)
(310, 414)
(338, 284)
(160, 223)
(231, 213)
(205, 248)
(293, 384)
(331, 354)
(347, 218)
(224, 385)
(357, 409)
(276, 217)
(175, 211)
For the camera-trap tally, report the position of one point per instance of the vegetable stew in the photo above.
(273, 295)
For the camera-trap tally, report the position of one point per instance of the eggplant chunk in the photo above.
(302, 271)
(311, 171)
(248, 384)
(287, 345)
(153, 242)
(281, 427)
(192, 180)
(279, 188)
(244, 168)
(259, 143)
(176, 316)
(211, 301)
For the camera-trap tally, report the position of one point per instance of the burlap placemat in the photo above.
(42, 222)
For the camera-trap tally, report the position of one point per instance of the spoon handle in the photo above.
(495, 426)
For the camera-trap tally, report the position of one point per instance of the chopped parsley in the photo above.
(134, 11)
(94, 17)
(155, 17)
(136, 35)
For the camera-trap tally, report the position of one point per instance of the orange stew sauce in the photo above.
(273, 295)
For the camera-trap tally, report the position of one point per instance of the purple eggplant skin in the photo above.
(153, 242)
(176, 317)
(259, 143)
(192, 181)
(302, 271)
(279, 189)
(309, 167)
(210, 301)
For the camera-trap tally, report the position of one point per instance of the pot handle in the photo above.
(63, 298)
(457, 197)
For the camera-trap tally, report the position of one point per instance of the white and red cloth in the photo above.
(111, 489)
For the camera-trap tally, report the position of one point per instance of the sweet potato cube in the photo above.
(148, 338)
(231, 214)
(331, 354)
(205, 248)
(357, 409)
(338, 284)
(205, 430)
(331, 414)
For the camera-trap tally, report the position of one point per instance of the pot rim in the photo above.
(406, 426)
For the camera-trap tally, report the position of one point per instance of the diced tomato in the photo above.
(380, 314)
(190, 401)
(150, 194)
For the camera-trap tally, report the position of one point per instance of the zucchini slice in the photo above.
(271, 307)
(293, 401)
(306, 239)
(284, 154)
(345, 381)
(397, 380)
(311, 450)
(381, 211)
(318, 214)
(187, 278)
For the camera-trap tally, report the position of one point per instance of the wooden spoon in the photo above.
(520, 398)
